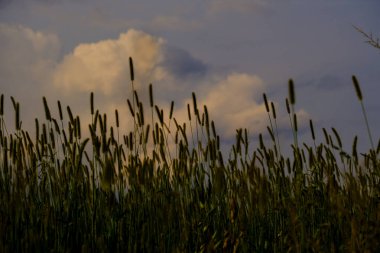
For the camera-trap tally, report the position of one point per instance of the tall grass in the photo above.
(63, 192)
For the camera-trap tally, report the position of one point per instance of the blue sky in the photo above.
(228, 52)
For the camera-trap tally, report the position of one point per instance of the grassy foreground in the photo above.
(165, 187)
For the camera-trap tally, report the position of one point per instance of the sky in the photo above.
(228, 52)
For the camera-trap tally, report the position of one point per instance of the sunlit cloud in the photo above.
(27, 60)
(234, 100)
(234, 103)
(25, 52)
(104, 66)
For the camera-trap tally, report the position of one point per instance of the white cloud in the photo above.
(27, 59)
(234, 100)
(104, 66)
(25, 52)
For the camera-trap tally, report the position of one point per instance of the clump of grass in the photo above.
(63, 192)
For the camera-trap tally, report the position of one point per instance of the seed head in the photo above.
(357, 88)
(292, 96)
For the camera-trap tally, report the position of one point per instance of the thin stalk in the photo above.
(360, 97)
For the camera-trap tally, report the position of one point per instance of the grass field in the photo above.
(166, 187)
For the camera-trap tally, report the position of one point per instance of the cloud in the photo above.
(21, 44)
(234, 100)
(104, 66)
(181, 64)
(27, 59)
